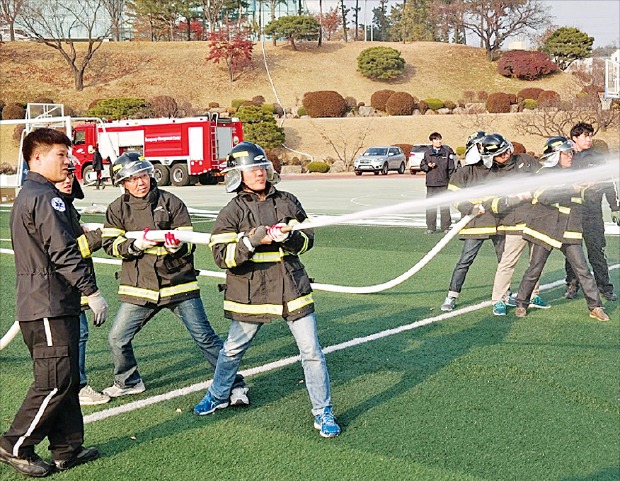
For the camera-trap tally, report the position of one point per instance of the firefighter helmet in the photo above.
(493, 145)
(472, 152)
(128, 165)
(247, 156)
(553, 147)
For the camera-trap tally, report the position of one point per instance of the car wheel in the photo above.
(384, 170)
(358, 172)
(376, 172)
(413, 172)
(401, 169)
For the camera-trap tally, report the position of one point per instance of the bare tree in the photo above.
(115, 9)
(343, 144)
(61, 24)
(9, 11)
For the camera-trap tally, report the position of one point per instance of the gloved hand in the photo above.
(142, 243)
(171, 243)
(615, 216)
(478, 210)
(276, 233)
(256, 235)
(99, 306)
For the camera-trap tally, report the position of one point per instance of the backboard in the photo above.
(612, 79)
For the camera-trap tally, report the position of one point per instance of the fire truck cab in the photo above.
(182, 151)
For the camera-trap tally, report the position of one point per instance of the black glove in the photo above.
(257, 235)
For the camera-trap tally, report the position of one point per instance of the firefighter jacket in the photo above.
(510, 211)
(153, 276)
(555, 216)
(50, 271)
(438, 176)
(593, 202)
(269, 281)
(482, 226)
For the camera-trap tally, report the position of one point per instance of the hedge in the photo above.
(317, 166)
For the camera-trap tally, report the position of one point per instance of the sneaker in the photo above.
(599, 314)
(520, 311)
(430, 231)
(31, 466)
(511, 301)
(449, 304)
(326, 423)
(239, 397)
(499, 309)
(571, 291)
(117, 391)
(537, 302)
(84, 455)
(610, 296)
(90, 397)
(209, 404)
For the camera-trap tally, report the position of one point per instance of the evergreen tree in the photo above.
(566, 45)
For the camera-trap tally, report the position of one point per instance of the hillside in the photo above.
(178, 69)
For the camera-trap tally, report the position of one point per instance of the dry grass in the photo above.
(178, 69)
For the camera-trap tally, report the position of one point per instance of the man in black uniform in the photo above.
(438, 163)
(51, 275)
(593, 225)
(98, 167)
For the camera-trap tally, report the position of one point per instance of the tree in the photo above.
(115, 10)
(413, 22)
(60, 24)
(272, 10)
(566, 45)
(344, 12)
(9, 12)
(330, 23)
(381, 20)
(495, 20)
(293, 28)
(259, 126)
(233, 47)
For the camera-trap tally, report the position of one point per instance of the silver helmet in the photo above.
(247, 156)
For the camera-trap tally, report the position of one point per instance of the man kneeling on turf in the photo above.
(265, 279)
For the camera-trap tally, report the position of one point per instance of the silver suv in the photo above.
(380, 160)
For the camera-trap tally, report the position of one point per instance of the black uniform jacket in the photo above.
(592, 207)
(155, 275)
(438, 176)
(51, 272)
(270, 281)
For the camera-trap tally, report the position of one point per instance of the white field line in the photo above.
(202, 386)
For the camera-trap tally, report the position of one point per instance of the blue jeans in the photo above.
(82, 348)
(468, 254)
(131, 318)
(239, 338)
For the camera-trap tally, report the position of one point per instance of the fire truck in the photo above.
(183, 151)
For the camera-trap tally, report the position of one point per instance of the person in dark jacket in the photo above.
(51, 275)
(88, 242)
(253, 241)
(153, 276)
(438, 163)
(593, 225)
(98, 167)
(554, 222)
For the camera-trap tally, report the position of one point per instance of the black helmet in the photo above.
(551, 152)
(474, 139)
(246, 156)
(129, 164)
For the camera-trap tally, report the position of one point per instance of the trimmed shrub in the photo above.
(8, 169)
(422, 106)
(449, 104)
(351, 103)
(549, 98)
(406, 148)
(278, 110)
(380, 63)
(498, 103)
(13, 111)
(379, 99)
(213, 105)
(434, 104)
(530, 104)
(236, 103)
(400, 103)
(164, 106)
(469, 96)
(17, 133)
(317, 166)
(519, 148)
(301, 111)
(258, 100)
(482, 95)
(461, 103)
(460, 150)
(267, 108)
(530, 93)
(324, 103)
(525, 65)
(513, 99)
(119, 108)
(42, 100)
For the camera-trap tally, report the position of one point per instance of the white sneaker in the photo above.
(116, 391)
(239, 397)
(90, 397)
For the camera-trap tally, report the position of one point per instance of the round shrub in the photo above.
(525, 65)
(351, 103)
(317, 166)
(214, 105)
(513, 99)
(278, 110)
(301, 111)
(380, 63)
(378, 100)
(43, 100)
(482, 95)
(400, 103)
(164, 106)
(530, 93)
(434, 104)
(530, 104)
(519, 148)
(120, 108)
(498, 103)
(324, 103)
(258, 100)
(460, 150)
(422, 106)
(449, 104)
(549, 98)
(469, 96)
(13, 111)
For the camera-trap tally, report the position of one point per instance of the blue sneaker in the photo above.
(537, 302)
(326, 423)
(499, 309)
(511, 301)
(209, 404)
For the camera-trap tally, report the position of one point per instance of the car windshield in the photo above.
(376, 151)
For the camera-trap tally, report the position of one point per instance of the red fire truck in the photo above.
(182, 151)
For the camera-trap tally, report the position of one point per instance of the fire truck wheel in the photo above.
(207, 179)
(179, 175)
(161, 174)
